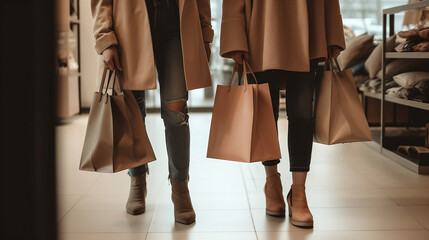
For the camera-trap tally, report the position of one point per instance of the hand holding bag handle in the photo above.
(234, 70)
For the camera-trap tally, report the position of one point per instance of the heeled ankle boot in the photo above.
(183, 211)
(275, 203)
(136, 200)
(299, 213)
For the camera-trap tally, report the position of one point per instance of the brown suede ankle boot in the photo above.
(136, 200)
(275, 203)
(183, 210)
(299, 213)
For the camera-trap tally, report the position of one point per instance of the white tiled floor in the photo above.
(354, 193)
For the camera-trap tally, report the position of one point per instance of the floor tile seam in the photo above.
(414, 218)
(403, 187)
(92, 184)
(74, 204)
(360, 207)
(248, 203)
(190, 231)
(101, 232)
(370, 230)
(206, 232)
(160, 191)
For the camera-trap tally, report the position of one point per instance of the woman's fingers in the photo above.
(111, 59)
(117, 63)
(239, 56)
(109, 64)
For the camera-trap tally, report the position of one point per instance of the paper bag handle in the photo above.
(245, 72)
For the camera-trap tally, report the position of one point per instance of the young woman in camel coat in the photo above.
(283, 41)
(173, 37)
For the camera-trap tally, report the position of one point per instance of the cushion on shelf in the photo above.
(373, 63)
(360, 48)
(409, 79)
(348, 35)
(398, 66)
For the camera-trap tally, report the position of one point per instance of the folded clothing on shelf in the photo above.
(393, 91)
(422, 47)
(359, 79)
(417, 40)
(408, 93)
(374, 85)
(423, 87)
(371, 85)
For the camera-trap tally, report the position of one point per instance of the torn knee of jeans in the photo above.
(179, 117)
(182, 118)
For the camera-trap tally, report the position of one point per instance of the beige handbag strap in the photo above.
(103, 78)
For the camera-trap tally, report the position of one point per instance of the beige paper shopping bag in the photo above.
(243, 128)
(116, 137)
(339, 116)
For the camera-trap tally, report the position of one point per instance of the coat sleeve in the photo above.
(102, 14)
(233, 36)
(205, 19)
(334, 24)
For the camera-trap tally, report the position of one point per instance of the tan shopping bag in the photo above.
(243, 127)
(339, 116)
(116, 137)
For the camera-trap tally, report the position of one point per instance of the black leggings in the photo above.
(299, 108)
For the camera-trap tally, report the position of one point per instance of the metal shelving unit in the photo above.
(391, 154)
(407, 55)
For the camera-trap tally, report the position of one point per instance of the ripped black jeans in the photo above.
(167, 48)
(299, 108)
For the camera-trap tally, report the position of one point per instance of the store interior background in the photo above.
(361, 15)
(358, 195)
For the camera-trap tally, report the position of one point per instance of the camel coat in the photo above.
(125, 23)
(281, 34)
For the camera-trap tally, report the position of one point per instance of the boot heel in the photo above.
(274, 201)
